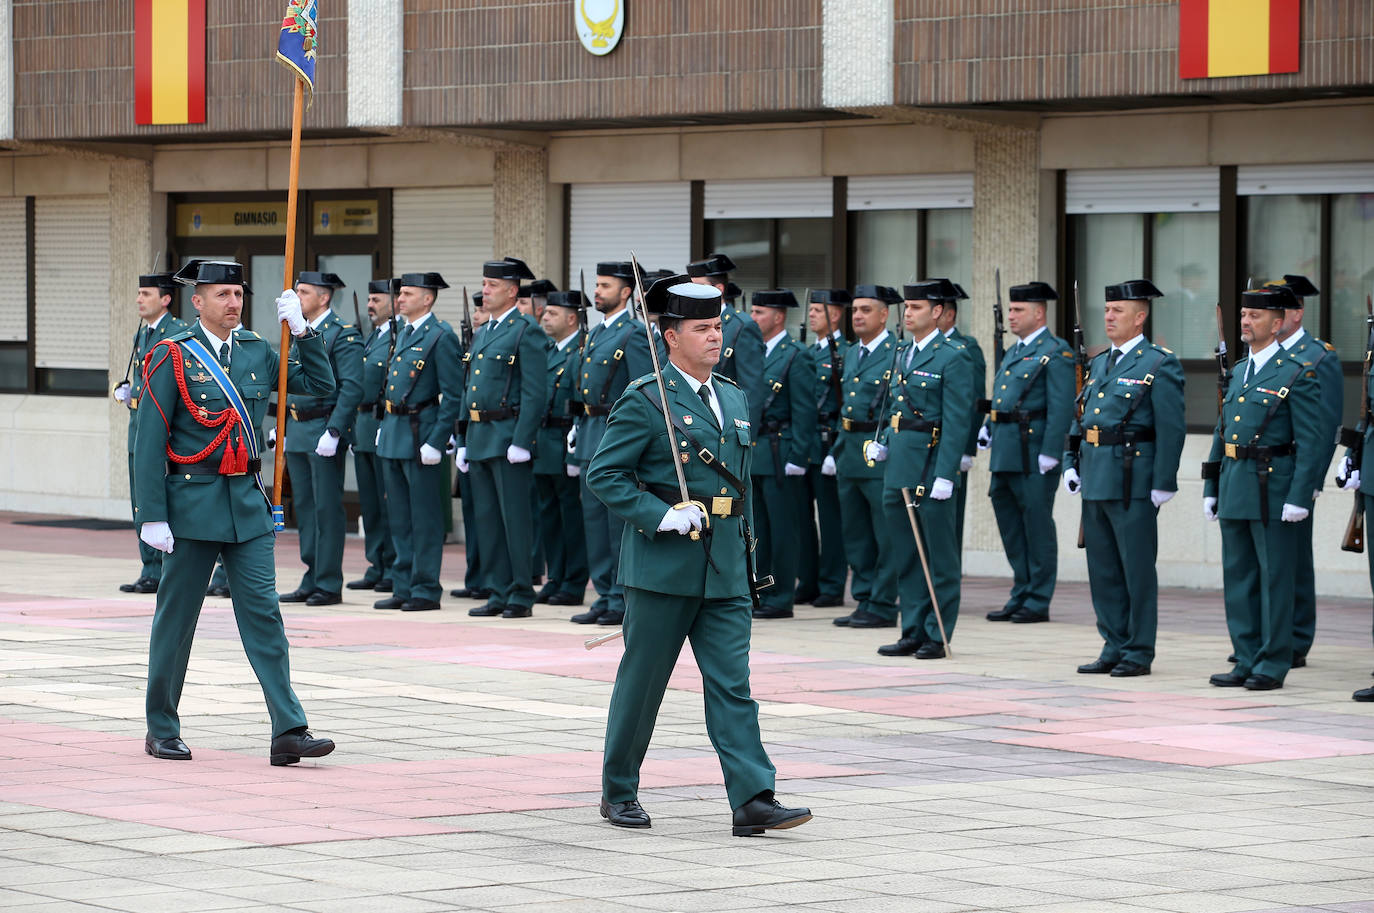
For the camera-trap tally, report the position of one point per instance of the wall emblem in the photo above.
(600, 23)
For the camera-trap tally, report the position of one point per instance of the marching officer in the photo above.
(1028, 417)
(1356, 474)
(155, 294)
(823, 572)
(473, 587)
(560, 507)
(867, 369)
(949, 325)
(380, 342)
(1321, 357)
(504, 398)
(1122, 458)
(783, 445)
(200, 497)
(318, 432)
(741, 351)
(1266, 460)
(678, 589)
(617, 352)
(423, 395)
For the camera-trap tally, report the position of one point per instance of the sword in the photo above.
(925, 566)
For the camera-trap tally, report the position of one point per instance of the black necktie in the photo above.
(1113, 358)
(224, 356)
(863, 353)
(705, 393)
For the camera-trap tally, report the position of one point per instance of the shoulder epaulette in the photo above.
(1329, 347)
(178, 336)
(1165, 350)
(722, 377)
(639, 382)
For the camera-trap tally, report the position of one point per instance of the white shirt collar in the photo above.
(877, 341)
(1294, 339)
(566, 341)
(215, 341)
(771, 344)
(497, 318)
(823, 342)
(921, 346)
(152, 325)
(415, 324)
(612, 318)
(1031, 338)
(385, 327)
(1261, 358)
(694, 385)
(315, 324)
(950, 331)
(1130, 346)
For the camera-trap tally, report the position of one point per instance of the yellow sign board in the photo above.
(218, 220)
(344, 217)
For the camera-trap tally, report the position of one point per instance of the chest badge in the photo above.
(200, 378)
(687, 420)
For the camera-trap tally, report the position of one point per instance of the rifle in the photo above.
(1223, 371)
(133, 349)
(881, 414)
(998, 349)
(1354, 439)
(465, 325)
(357, 314)
(582, 316)
(1080, 365)
(805, 318)
(392, 328)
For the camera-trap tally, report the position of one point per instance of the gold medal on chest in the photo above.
(200, 378)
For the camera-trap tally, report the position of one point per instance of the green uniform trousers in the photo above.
(151, 557)
(1257, 575)
(560, 525)
(603, 530)
(822, 568)
(473, 579)
(777, 525)
(937, 520)
(1024, 507)
(251, 571)
(1121, 544)
(656, 624)
(1304, 587)
(501, 495)
(317, 495)
(1369, 535)
(867, 550)
(417, 527)
(961, 497)
(381, 554)
(538, 557)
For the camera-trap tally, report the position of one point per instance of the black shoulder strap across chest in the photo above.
(703, 454)
(1278, 400)
(1030, 380)
(1149, 381)
(512, 360)
(420, 364)
(611, 375)
(781, 382)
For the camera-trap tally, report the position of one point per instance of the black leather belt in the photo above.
(557, 421)
(403, 409)
(209, 468)
(368, 407)
(1105, 437)
(305, 415)
(849, 424)
(1258, 451)
(492, 415)
(902, 423)
(716, 506)
(1014, 416)
(589, 409)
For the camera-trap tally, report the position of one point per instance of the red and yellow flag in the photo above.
(169, 62)
(1237, 37)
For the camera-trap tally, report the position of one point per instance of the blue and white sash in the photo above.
(236, 402)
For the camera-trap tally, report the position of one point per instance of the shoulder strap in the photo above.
(1030, 381)
(420, 364)
(703, 454)
(1274, 406)
(1149, 385)
(781, 381)
(512, 360)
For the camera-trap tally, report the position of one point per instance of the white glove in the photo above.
(452, 444)
(1294, 514)
(289, 312)
(828, 466)
(328, 445)
(965, 463)
(875, 452)
(1353, 482)
(460, 459)
(1159, 498)
(517, 454)
(792, 469)
(123, 392)
(1072, 483)
(378, 439)
(1047, 463)
(572, 439)
(573, 470)
(158, 535)
(984, 437)
(681, 520)
(430, 456)
(272, 436)
(941, 490)
(1209, 508)
(350, 449)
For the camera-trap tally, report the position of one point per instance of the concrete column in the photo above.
(376, 62)
(856, 53)
(7, 71)
(131, 219)
(520, 191)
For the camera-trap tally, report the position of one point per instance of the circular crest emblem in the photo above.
(599, 23)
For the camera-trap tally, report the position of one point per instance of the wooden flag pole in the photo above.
(279, 461)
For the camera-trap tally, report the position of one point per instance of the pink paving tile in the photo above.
(1207, 745)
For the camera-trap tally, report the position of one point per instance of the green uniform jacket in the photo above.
(1158, 405)
(827, 399)
(1321, 357)
(373, 380)
(615, 355)
(344, 347)
(636, 449)
(938, 387)
(741, 358)
(1050, 389)
(143, 344)
(551, 456)
(429, 365)
(788, 408)
(862, 397)
(507, 368)
(1299, 419)
(980, 385)
(215, 508)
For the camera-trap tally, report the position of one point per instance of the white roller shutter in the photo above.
(609, 220)
(1143, 190)
(784, 199)
(445, 230)
(72, 282)
(1344, 177)
(13, 276)
(911, 191)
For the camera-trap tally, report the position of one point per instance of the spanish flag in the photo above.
(169, 62)
(1237, 37)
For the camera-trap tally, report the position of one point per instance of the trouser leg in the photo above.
(1042, 541)
(1106, 579)
(860, 544)
(1137, 541)
(307, 526)
(427, 518)
(1007, 508)
(327, 478)
(1304, 587)
(882, 594)
(569, 506)
(834, 569)
(150, 558)
(402, 526)
(373, 506)
(186, 571)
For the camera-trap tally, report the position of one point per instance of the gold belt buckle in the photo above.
(133, 403)
(845, 423)
(1092, 435)
(388, 407)
(294, 417)
(992, 415)
(474, 415)
(896, 423)
(721, 506)
(1231, 451)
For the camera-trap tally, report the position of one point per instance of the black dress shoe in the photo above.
(1128, 669)
(863, 619)
(149, 585)
(762, 813)
(363, 584)
(391, 602)
(1300, 662)
(1364, 695)
(825, 601)
(129, 587)
(221, 591)
(518, 611)
(844, 620)
(1003, 614)
(805, 596)
(767, 612)
(290, 747)
(295, 596)
(173, 749)
(906, 646)
(323, 597)
(1027, 617)
(383, 586)
(420, 605)
(1097, 667)
(1259, 682)
(625, 814)
(542, 597)
(1231, 658)
(486, 610)
(565, 599)
(588, 617)
(1227, 680)
(469, 592)
(611, 617)
(931, 650)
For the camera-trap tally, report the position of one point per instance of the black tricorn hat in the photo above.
(1300, 286)
(508, 268)
(1270, 298)
(837, 296)
(542, 287)
(616, 269)
(212, 272)
(775, 298)
(714, 265)
(572, 299)
(963, 295)
(477, 298)
(884, 293)
(931, 290)
(525, 292)
(163, 282)
(379, 287)
(732, 292)
(681, 298)
(1133, 290)
(432, 281)
(1033, 291)
(323, 280)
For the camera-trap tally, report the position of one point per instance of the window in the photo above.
(1352, 273)
(792, 253)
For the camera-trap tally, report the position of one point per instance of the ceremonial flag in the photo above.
(1237, 37)
(169, 62)
(298, 45)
